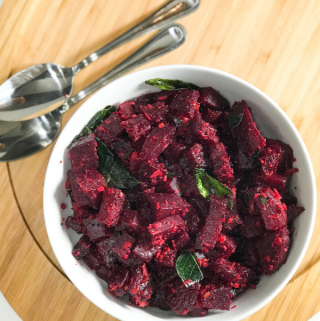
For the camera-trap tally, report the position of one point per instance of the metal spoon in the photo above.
(41, 86)
(19, 139)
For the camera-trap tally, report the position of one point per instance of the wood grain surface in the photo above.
(273, 44)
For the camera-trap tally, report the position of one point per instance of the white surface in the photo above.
(273, 123)
(6, 312)
(316, 317)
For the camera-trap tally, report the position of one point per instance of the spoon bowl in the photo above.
(19, 139)
(42, 87)
(35, 88)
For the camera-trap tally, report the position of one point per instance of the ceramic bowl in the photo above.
(272, 121)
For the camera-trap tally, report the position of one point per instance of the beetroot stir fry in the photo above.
(181, 202)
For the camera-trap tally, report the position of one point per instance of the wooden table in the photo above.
(273, 44)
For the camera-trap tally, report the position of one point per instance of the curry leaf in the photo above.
(112, 169)
(188, 269)
(264, 200)
(95, 121)
(170, 84)
(208, 186)
(234, 120)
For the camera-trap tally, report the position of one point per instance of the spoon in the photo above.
(19, 139)
(41, 86)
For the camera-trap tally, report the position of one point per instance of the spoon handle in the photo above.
(168, 13)
(163, 42)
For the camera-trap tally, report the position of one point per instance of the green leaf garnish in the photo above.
(170, 84)
(208, 185)
(230, 204)
(234, 120)
(264, 200)
(188, 268)
(95, 121)
(112, 169)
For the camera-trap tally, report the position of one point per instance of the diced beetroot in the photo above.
(144, 250)
(225, 246)
(273, 250)
(232, 218)
(80, 213)
(132, 221)
(194, 157)
(211, 98)
(185, 102)
(150, 172)
(232, 273)
(171, 186)
(198, 312)
(140, 288)
(157, 141)
(182, 299)
(180, 240)
(82, 248)
(193, 221)
(174, 151)
(166, 257)
(278, 181)
(155, 113)
(105, 273)
(201, 130)
(122, 148)
(274, 214)
(105, 249)
(126, 109)
(136, 127)
(96, 230)
(72, 223)
(123, 245)
(221, 163)
(288, 199)
(92, 260)
(253, 226)
(293, 212)
(165, 204)
(251, 256)
(111, 206)
(119, 282)
(110, 129)
(158, 298)
(151, 98)
(286, 154)
(213, 117)
(189, 186)
(269, 160)
(241, 161)
(213, 224)
(201, 204)
(83, 154)
(215, 297)
(165, 229)
(87, 188)
(246, 133)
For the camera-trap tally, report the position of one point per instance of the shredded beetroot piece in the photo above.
(111, 206)
(131, 238)
(110, 129)
(213, 224)
(83, 154)
(246, 134)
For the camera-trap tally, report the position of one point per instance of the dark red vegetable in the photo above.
(234, 228)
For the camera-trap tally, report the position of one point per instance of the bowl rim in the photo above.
(308, 165)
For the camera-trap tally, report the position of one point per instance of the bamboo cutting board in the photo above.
(273, 44)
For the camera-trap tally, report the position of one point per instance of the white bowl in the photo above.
(273, 123)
